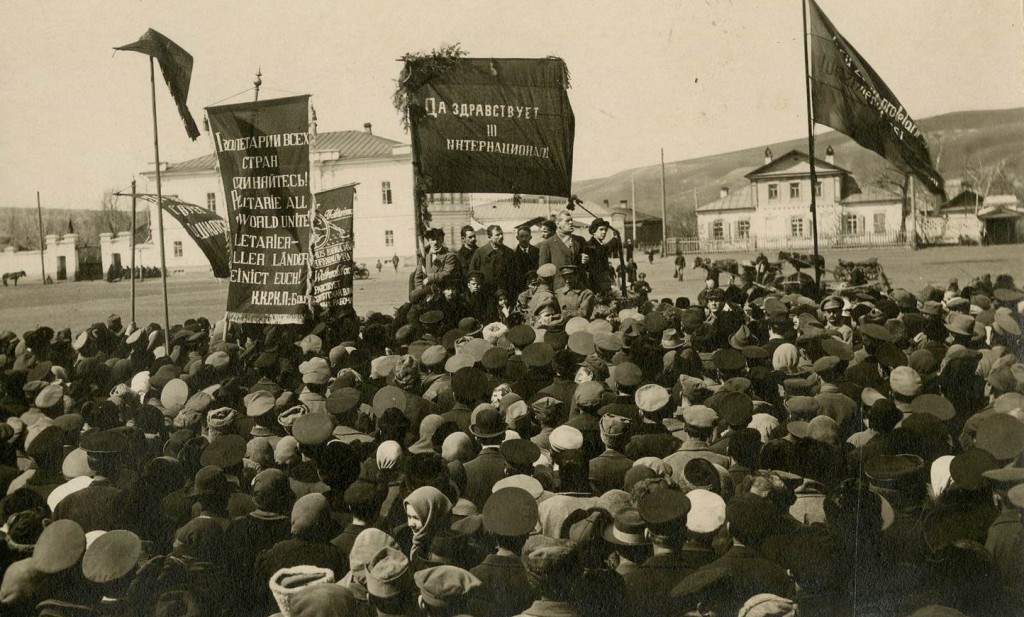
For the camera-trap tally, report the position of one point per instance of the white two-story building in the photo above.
(383, 226)
(773, 210)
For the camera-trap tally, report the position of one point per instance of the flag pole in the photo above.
(664, 215)
(633, 203)
(160, 210)
(133, 250)
(810, 148)
(42, 241)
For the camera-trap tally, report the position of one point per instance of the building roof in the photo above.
(347, 145)
(793, 157)
(735, 200)
(502, 210)
(854, 193)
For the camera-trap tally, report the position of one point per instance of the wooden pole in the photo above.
(160, 210)
(810, 148)
(133, 250)
(913, 213)
(633, 202)
(42, 240)
(664, 215)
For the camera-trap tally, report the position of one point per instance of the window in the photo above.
(385, 192)
(717, 230)
(850, 226)
(796, 227)
(178, 249)
(211, 201)
(817, 189)
(743, 229)
(879, 222)
(389, 238)
(773, 191)
(794, 190)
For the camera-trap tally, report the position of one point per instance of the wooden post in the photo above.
(664, 215)
(633, 203)
(160, 210)
(810, 148)
(133, 250)
(913, 212)
(42, 240)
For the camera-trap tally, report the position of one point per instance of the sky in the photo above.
(693, 77)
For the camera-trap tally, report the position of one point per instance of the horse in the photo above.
(13, 276)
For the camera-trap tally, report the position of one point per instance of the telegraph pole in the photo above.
(42, 241)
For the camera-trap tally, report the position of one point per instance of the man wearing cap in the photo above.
(700, 422)
(439, 266)
(97, 506)
(564, 248)
(572, 297)
(495, 261)
(489, 465)
(598, 271)
(445, 591)
(835, 324)
(554, 568)
(510, 516)
(664, 510)
(832, 401)
(588, 401)
(608, 469)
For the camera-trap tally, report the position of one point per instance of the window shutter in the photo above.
(861, 227)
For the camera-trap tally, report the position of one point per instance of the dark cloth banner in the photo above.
(332, 247)
(850, 97)
(206, 228)
(263, 150)
(176, 67)
(493, 126)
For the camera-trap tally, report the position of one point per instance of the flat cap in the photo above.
(700, 416)
(112, 556)
(589, 394)
(627, 374)
(510, 512)
(49, 396)
(546, 557)
(430, 318)
(707, 511)
(565, 438)
(547, 270)
(735, 408)
(519, 452)
(538, 355)
(905, 381)
(729, 359)
(103, 442)
(1002, 435)
(224, 451)
(876, 332)
(663, 506)
(59, 547)
(607, 341)
(968, 468)
(313, 429)
(388, 397)
(519, 481)
(458, 361)
(613, 425)
(825, 364)
(443, 585)
(651, 397)
(521, 335)
(934, 405)
(803, 407)
(576, 324)
(258, 403)
(388, 573)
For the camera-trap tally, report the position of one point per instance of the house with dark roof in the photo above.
(772, 211)
(383, 222)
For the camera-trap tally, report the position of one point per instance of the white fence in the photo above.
(784, 243)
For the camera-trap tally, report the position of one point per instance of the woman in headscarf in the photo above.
(428, 512)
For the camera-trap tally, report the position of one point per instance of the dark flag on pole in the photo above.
(206, 228)
(176, 66)
(849, 96)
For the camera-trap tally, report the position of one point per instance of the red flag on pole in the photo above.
(176, 66)
(849, 96)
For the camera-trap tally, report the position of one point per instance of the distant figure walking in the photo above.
(394, 261)
(379, 266)
(680, 265)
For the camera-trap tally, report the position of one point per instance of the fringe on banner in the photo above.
(271, 319)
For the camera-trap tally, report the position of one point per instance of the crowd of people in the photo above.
(522, 438)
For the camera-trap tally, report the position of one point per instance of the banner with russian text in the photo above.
(849, 96)
(492, 126)
(332, 244)
(263, 151)
(207, 229)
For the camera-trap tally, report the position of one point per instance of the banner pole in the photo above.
(664, 213)
(42, 240)
(160, 209)
(913, 212)
(810, 148)
(417, 218)
(133, 250)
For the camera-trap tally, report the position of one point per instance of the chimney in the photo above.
(724, 192)
(624, 204)
(767, 155)
(830, 156)
(368, 127)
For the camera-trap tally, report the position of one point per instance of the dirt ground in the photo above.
(76, 305)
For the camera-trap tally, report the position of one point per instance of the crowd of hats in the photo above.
(863, 447)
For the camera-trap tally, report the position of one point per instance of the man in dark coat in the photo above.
(97, 506)
(564, 248)
(439, 266)
(608, 469)
(484, 471)
(526, 258)
(510, 516)
(496, 261)
(465, 253)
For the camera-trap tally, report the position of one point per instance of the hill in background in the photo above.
(983, 147)
(19, 227)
